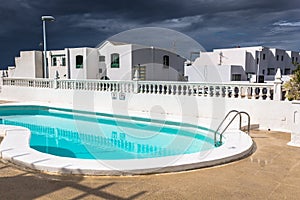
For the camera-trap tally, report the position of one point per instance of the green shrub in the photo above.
(292, 87)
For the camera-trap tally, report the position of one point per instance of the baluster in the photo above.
(132, 88)
(174, 89)
(268, 93)
(171, 89)
(195, 90)
(147, 88)
(241, 92)
(179, 89)
(249, 93)
(119, 87)
(129, 88)
(202, 92)
(182, 88)
(212, 91)
(226, 93)
(232, 91)
(260, 93)
(151, 89)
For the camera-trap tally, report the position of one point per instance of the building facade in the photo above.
(111, 60)
(242, 64)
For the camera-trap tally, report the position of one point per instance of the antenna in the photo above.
(221, 58)
(174, 46)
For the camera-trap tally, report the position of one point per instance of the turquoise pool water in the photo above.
(86, 135)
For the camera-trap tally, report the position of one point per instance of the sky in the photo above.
(86, 23)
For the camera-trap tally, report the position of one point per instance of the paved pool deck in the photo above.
(271, 172)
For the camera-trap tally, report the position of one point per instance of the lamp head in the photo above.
(48, 18)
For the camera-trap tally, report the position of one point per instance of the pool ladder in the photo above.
(237, 113)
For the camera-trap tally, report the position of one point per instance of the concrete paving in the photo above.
(271, 172)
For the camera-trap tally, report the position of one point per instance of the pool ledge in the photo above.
(15, 148)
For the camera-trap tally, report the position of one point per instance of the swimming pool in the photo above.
(74, 134)
(104, 143)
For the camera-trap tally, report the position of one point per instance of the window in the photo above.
(115, 60)
(263, 71)
(54, 61)
(277, 57)
(287, 71)
(257, 60)
(63, 61)
(281, 58)
(296, 59)
(101, 58)
(293, 59)
(79, 61)
(271, 71)
(264, 56)
(236, 77)
(166, 61)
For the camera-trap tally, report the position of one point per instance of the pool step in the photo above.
(252, 127)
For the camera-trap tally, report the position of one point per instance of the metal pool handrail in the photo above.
(238, 113)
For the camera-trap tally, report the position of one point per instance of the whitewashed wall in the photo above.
(125, 52)
(62, 70)
(28, 65)
(200, 73)
(273, 115)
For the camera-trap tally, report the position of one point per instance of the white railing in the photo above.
(221, 90)
(96, 85)
(37, 83)
(225, 90)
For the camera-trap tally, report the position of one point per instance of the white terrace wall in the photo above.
(183, 100)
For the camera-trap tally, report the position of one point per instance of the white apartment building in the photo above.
(242, 64)
(111, 60)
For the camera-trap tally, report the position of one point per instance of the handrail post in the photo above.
(221, 134)
(215, 135)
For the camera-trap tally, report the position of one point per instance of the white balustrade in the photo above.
(217, 90)
(221, 90)
(37, 83)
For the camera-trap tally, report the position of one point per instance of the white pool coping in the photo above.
(15, 148)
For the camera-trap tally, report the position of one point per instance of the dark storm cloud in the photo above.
(212, 23)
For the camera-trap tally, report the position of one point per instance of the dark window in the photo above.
(166, 60)
(236, 77)
(257, 60)
(79, 61)
(281, 58)
(115, 60)
(296, 59)
(293, 59)
(264, 56)
(271, 71)
(54, 61)
(277, 57)
(101, 58)
(63, 61)
(263, 71)
(287, 71)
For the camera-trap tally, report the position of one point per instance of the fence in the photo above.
(262, 91)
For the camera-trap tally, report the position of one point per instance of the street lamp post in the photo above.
(44, 19)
